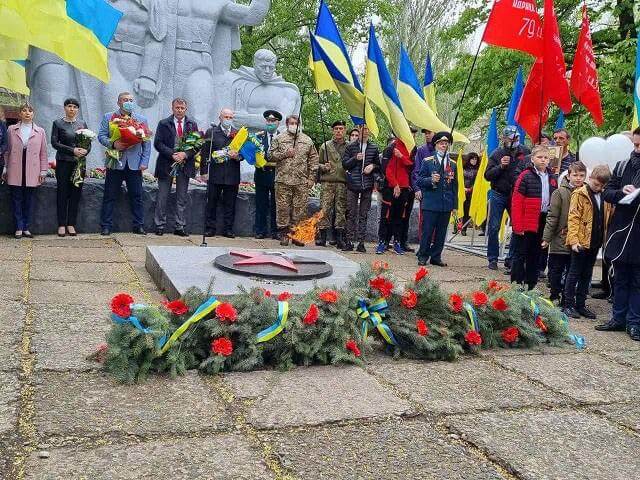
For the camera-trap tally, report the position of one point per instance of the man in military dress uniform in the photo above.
(333, 198)
(264, 179)
(296, 160)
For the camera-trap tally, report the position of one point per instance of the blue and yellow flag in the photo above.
(249, 146)
(13, 77)
(493, 140)
(412, 100)
(481, 187)
(12, 49)
(78, 31)
(352, 96)
(516, 95)
(378, 87)
(636, 90)
(429, 85)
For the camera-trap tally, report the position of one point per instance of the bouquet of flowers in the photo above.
(128, 131)
(84, 137)
(99, 173)
(190, 141)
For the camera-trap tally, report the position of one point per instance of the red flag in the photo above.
(515, 24)
(584, 76)
(532, 102)
(555, 85)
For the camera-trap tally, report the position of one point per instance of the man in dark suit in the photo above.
(264, 179)
(223, 169)
(168, 134)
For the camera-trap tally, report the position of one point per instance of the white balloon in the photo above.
(593, 151)
(619, 148)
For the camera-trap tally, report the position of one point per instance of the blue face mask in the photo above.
(271, 127)
(227, 123)
(128, 106)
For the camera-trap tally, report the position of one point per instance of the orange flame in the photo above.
(305, 231)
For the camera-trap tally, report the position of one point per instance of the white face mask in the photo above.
(293, 129)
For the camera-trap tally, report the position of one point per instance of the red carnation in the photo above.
(121, 305)
(455, 302)
(379, 266)
(382, 285)
(500, 305)
(226, 312)
(423, 330)
(540, 324)
(473, 338)
(177, 307)
(222, 346)
(510, 335)
(329, 296)
(420, 274)
(480, 299)
(353, 346)
(267, 293)
(409, 299)
(311, 317)
(284, 296)
(493, 285)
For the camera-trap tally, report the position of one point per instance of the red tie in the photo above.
(180, 128)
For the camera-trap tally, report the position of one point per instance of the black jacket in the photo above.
(503, 179)
(622, 231)
(226, 173)
(165, 143)
(63, 139)
(357, 180)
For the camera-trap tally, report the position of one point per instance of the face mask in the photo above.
(128, 107)
(293, 129)
(271, 127)
(227, 123)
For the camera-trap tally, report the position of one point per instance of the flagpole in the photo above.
(541, 104)
(466, 86)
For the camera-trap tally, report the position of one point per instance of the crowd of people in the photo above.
(559, 217)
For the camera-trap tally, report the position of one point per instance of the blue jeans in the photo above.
(112, 185)
(626, 294)
(498, 203)
(21, 199)
(434, 234)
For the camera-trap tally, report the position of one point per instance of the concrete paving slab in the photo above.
(77, 293)
(12, 316)
(11, 290)
(128, 239)
(9, 394)
(82, 272)
(629, 357)
(13, 251)
(11, 270)
(82, 241)
(603, 341)
(626, 414)
(68, 254)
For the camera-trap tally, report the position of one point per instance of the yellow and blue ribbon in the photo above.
(202, 311)
(578, 340)
(275, 329)
(472, 316)
(373, 313)
(136, 323)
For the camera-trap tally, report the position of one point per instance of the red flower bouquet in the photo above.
(353, 347)
(129, 132)
(121, 305)
(409, 299)
(311, 317)
(329, 296)
(420, 274)
(226, 312)
(500, 305)
(422, 328)
(455, 302)
(177, 307)
(382, 285)
(541, 325)
(473, 338)
(284, 296)
(222, 346)
(479, 299)
(510, 335)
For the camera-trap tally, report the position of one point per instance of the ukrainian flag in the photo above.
(636, 90)
(355, 102)
(13, 77)
(429, 85)
(481, 187)
(378, 87)
(412, 100)
(78, 31)
(11, 49)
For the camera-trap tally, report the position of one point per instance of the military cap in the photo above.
(442, 136)
(339, 123)
(272, 115)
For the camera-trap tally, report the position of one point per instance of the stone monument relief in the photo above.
(164, 49)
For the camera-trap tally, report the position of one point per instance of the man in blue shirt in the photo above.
(133, 161)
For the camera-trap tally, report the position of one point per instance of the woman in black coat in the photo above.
(63, 140)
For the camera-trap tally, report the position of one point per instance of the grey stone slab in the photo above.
(77, 293)
(12, 316)
(92, 405)
(175, 269)
(586, 378)
(9, 394)
(64, 335)
(132, 240)
(109, 254)
(554, 445)
(630, 358)
(13, 251)
(463, 386)
(396, 449)
(626, 414)
(217, 457)
(603, 341)
(81, 241)
(82, 272)
(11, 290)
(12, 270)
(316, 395)
(136, 253)
(248, 385)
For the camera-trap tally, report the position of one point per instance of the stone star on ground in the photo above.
(505, 414)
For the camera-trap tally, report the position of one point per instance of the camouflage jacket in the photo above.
(302, 167)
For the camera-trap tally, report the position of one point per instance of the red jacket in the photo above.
(398, 171)
(526, 202)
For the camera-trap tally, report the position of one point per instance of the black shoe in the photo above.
(493, 266)
(463, 233)
(601, 295)
(275, 236)
(340, 241)
(586, 313)
(634, 333)
(571, 312)
(348, 247)
(610, 326)
(139, 231)
(438, 263)
(159, 232)
(260, 236)
(407, 248)
(507, 271)
(360, 248)
(422, 263)
(105, 232)
(180, 232)
(321, 241)
(228, 235)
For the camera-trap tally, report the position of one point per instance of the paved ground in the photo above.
(551, 414)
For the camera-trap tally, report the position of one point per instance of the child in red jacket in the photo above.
(529, 205)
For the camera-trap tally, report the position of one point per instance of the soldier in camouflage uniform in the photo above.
(334, 186)
(296, 160)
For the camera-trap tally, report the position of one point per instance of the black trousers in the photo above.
(558, 268)
(226, 196)
(406, 220)
(68, 195)
(392, 213)
(526, 256)
(465, 211)
(576, 286)
(264, 179)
